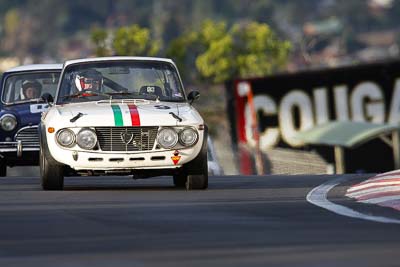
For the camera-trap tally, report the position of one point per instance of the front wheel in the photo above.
(197, 169)
(3, 168)
(191, 181)
(197, 181)
(180, 180)
(51, 173)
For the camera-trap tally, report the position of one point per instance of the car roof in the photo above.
(116, 58)
(35, 67)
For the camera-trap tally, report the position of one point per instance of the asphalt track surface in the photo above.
(238, 221)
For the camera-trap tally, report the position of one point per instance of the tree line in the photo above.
(214, 52)
(44, 30)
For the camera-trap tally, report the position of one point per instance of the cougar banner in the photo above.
(289, 103)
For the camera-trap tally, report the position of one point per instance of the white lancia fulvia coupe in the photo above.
(122, 116)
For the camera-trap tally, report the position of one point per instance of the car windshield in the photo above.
(27, 87)
(151, 80)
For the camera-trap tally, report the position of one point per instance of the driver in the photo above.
(90, 80)
(30, 89)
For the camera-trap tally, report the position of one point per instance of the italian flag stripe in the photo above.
(135, 119)
(117, 115)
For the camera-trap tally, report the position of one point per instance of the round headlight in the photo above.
(86, 139)
(66, 137)
(8, 122)
(188, 136)
(167, 138)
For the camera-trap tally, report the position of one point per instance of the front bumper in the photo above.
(17, 147)
(79, 160)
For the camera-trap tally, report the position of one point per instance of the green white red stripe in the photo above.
(126, 115)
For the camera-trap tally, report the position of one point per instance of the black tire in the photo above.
(52, 174)
(3, 168)
(180, 180)
(197, 181)
(197, 169)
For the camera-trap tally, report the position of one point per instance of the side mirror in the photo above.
(48, 98)
(193, 95)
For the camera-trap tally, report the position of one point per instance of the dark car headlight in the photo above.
(8, 122)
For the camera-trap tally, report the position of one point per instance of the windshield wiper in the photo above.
(29, 100)
(135, 95)
(86, 93)
(111, 94)
(120, 93)
(173, 100)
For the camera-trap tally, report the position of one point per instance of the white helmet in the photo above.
(30, 84)
(89, 80)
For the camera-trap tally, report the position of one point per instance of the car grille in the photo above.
(126, 138)
(29, 136)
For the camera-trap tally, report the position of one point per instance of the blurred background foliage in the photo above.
(211, 41)
(130, 40)
(322, 32)
(217, 52)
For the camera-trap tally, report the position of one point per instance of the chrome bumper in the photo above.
(18, 147)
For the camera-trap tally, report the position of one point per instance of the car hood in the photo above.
(26, 113)
(118, 113)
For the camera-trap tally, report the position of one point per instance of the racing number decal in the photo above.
(118, 117)
(38, 108)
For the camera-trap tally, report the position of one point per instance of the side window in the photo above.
(49, 84)
(9, 94)
(16, 91)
